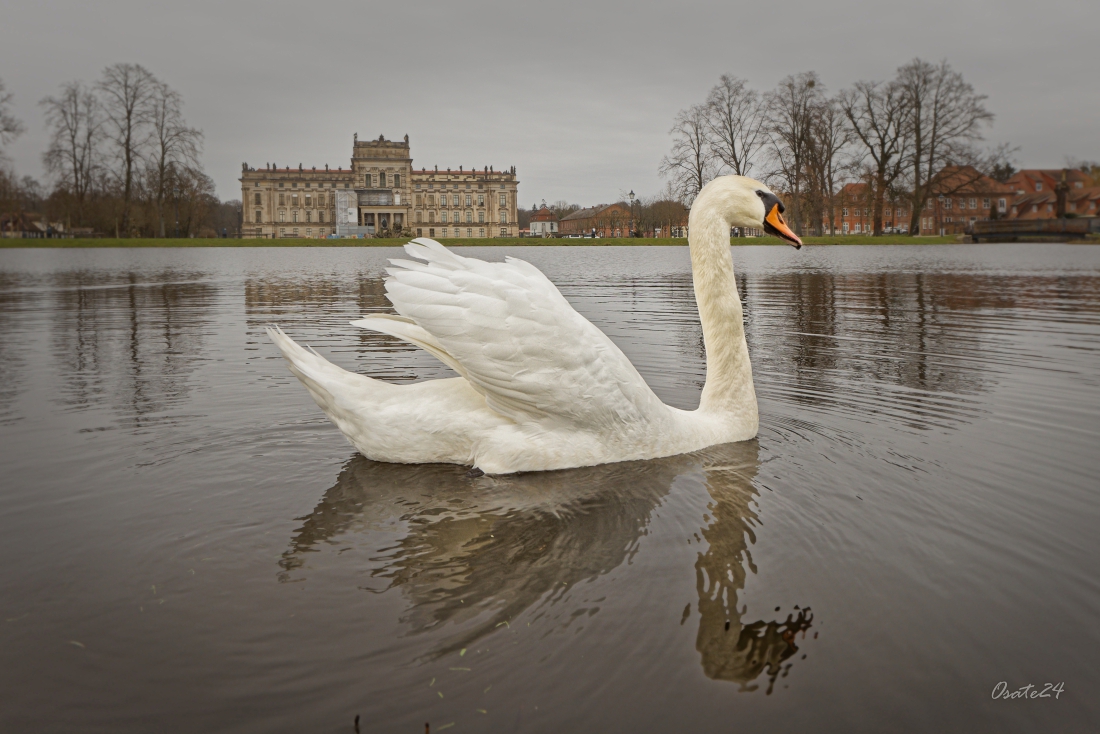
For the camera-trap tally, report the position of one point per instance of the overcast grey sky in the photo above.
(578, 96)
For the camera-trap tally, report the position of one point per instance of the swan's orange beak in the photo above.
(774, 224)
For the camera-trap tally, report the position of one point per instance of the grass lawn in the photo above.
(468, 242)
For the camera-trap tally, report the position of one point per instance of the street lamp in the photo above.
(631, 195)
(176, 193)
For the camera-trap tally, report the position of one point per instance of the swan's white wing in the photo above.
(516, 339)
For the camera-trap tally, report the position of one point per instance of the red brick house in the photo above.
(604, 221)
(961, 196)
(854, 212)
(1037, 193)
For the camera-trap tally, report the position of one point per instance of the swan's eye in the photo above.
(770, 200)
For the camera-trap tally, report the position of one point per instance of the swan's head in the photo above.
(745, 202)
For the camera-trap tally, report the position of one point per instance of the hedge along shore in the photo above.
(466, 242)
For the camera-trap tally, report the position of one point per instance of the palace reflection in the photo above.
(475, 554)
(323, 306)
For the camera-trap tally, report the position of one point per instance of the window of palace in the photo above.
(396, 180)
(845, 210)
(504, 217)
(282, 215)
(985, 203)
(467, 186)
(947, 203)
(431, 217)
(309, 215)
(281, 184)
(481, 217)
(259, 216)
(973, 203)
(1002, 204)
(321, 216)
(467, 200)
(419, 217)
(294, 216)
(259, 201)
(469, 232)
(309, 199)
(503, 232)
(443, 232)
(431, 199)
(481, 233)
(469, 217)
(481, 199)
(504, 199)
(382, 179)
(282, 199)
(443, 217)
(455, 200)
(418, 187)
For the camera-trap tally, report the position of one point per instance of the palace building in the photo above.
(380, 194)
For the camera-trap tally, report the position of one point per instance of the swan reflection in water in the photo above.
(477, 553)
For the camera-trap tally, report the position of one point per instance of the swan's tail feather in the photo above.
(329, 385)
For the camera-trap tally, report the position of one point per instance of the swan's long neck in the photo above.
(729, 387)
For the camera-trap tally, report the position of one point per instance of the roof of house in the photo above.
(967, 180)
(590, 212)
(543, 215)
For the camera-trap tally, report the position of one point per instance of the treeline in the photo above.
(898, 136)
(121, 160)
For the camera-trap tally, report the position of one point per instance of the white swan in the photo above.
(539, 386)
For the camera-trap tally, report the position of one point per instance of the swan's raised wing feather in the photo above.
(517, 340)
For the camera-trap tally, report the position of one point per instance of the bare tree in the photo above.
(947, 117)
(791, 111)
(75, 140)
(10, 127)
(735, 123)
(827, 163)
(128, 94)
(879, 116)
(690, 164)
(173, 145)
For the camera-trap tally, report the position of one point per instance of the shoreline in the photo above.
(104, 242)
(136, 242)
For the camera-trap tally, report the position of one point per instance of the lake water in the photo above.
(189, 545)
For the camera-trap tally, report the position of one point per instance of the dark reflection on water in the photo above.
(128, 340)
(477, 554)
(924, 479)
